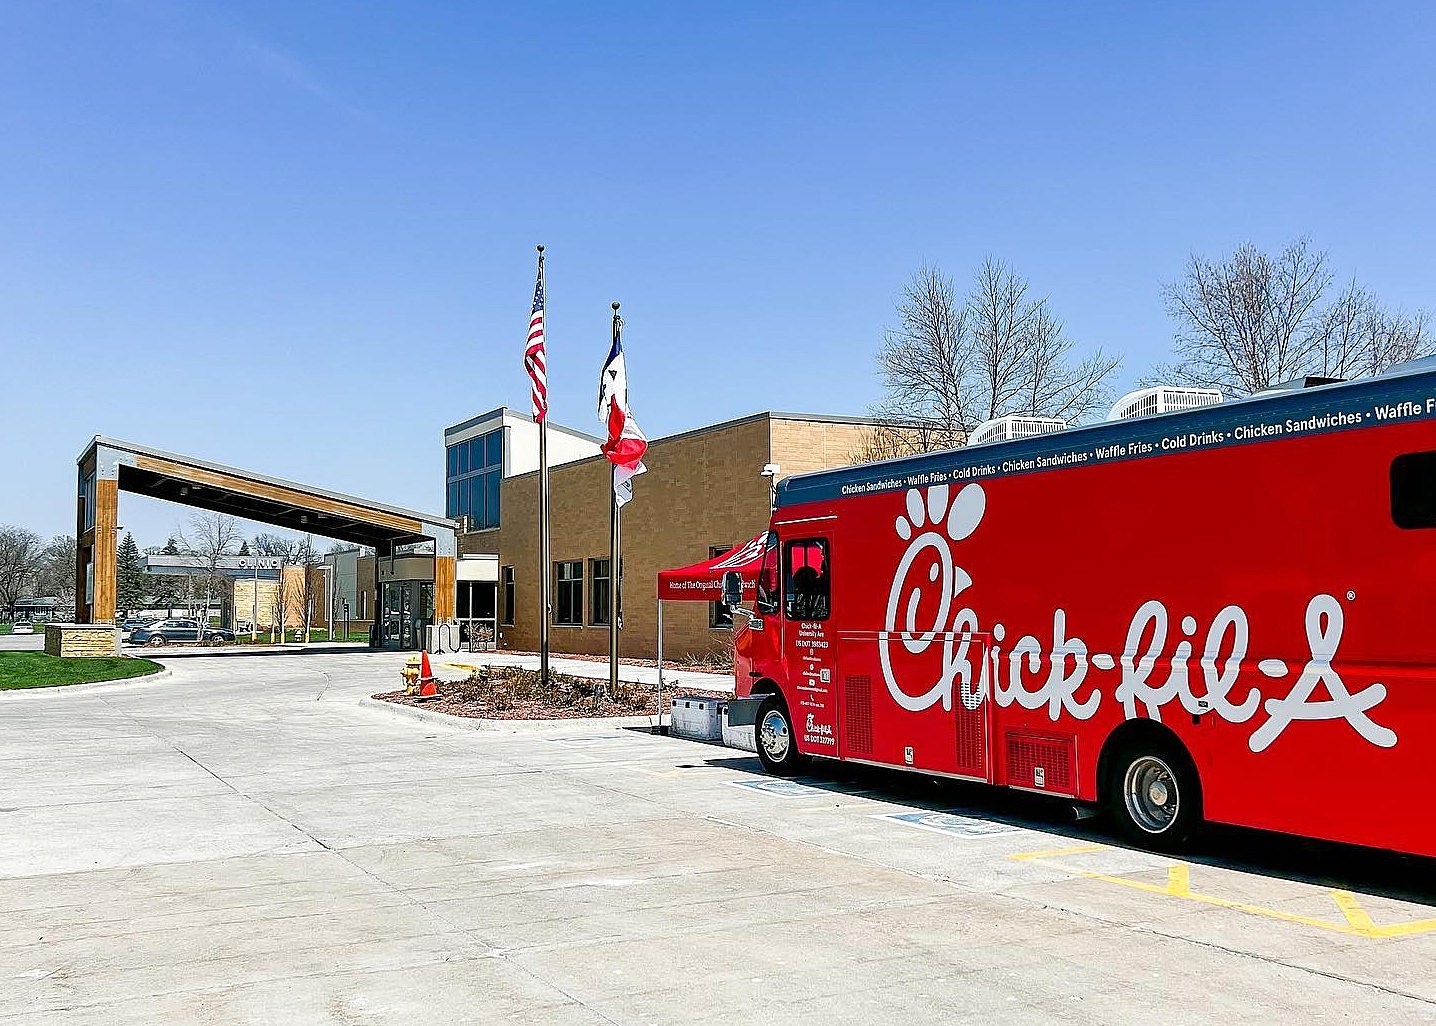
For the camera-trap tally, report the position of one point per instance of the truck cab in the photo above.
(784, 657)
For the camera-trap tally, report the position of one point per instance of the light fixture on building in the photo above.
(770, 471)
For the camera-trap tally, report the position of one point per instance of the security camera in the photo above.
(771, 469)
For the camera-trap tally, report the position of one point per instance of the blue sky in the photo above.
(299, 237)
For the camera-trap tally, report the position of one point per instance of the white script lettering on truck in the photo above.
(930, 526)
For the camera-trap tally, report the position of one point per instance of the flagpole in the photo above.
(615, 556)
(543, 510)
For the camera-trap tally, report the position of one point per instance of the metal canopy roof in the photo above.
(259, 497)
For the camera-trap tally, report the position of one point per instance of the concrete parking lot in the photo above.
(242, 841)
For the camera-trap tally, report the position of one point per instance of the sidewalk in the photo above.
(674, 678)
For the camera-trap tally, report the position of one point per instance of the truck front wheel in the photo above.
(777, 741)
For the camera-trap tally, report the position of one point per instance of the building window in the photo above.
(87, 499)
(719, 615)
(474, 469)
(568, 593)
(601, 593)
(1413, 490)
(806, 579)
(507, 575)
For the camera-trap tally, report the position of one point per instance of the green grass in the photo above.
(38, 670)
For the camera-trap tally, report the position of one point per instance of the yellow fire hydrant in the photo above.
(410, 673)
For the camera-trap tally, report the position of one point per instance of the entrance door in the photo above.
(398, 614)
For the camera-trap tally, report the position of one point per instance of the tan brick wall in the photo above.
(701, 489)
(804, 446)
(71, 641)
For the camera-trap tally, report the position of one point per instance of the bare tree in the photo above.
(274, 545)
(953, 362)
(893, 440)
(1252, 320)
(305, 595)
(211, 537)
(1355, 337)
(56, 574)
(279, 605)
(21, 555)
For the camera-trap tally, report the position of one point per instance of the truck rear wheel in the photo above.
(1154, 795)
(777, 741)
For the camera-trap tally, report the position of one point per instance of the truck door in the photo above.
(809, 645)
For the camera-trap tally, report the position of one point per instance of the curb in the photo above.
(508, 726)
(95, 685)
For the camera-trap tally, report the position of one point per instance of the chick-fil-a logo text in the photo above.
(924, 609)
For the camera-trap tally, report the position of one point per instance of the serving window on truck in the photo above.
(806, 576)
(1413, 490)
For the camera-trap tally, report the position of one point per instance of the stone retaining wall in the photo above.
(71, 640)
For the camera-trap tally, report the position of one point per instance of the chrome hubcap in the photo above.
(773, 735)
(1151, 795)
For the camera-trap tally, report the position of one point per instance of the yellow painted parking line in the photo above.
(1351, 908)
(1179, 885)
(1033, 856)
(1179, 880)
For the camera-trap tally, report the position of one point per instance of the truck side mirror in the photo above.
(732, 589)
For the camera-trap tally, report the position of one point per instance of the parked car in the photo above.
(22, 627)
(163, 632)
(134, 623)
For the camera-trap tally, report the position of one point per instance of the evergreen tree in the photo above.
(131, 580)
(243, 548)
(168, 591)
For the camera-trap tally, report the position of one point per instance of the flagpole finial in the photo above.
(615, 307)
(540, 247)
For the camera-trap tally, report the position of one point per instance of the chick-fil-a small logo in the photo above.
(923, 611)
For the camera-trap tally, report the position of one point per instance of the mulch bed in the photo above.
(694, 665)
(513, 693)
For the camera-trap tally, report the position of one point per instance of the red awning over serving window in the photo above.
(703, 582)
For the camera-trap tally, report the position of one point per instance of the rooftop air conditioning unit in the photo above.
(1148, 402)
(1005, 429)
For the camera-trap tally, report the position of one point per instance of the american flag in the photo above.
(535, 361)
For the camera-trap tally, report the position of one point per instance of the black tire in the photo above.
(778, 747)
(156, 641)
(214, 639)
(1154, 795)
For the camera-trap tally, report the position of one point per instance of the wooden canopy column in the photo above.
(97, 506)
(107, 522)
(446, 551)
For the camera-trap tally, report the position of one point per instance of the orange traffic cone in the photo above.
(428, 686)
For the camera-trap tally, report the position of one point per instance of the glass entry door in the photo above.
(398, 614)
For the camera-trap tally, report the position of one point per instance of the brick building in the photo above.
(704, 491)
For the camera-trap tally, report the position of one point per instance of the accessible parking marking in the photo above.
(948, 823)
(781, 788)
(1358, 922)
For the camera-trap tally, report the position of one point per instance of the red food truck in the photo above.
(1226, 613)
